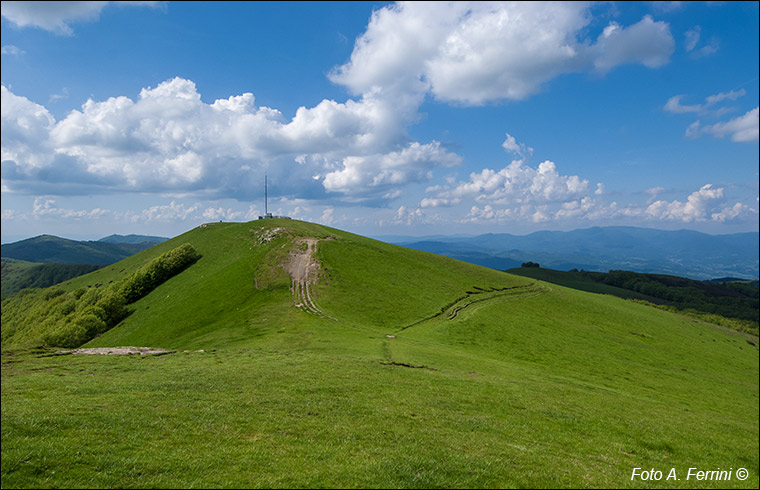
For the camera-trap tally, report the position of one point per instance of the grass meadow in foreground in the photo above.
(423, 372)
(262, 418)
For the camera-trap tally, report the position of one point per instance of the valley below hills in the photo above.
(286, 354)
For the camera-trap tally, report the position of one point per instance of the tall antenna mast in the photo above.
(267, 214)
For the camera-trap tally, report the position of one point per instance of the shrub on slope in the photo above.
(58, 318)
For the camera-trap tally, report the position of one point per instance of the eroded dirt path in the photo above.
(303, 268)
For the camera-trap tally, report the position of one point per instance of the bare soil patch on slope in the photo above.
(119, 351)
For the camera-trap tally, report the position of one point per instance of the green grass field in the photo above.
(421, 372)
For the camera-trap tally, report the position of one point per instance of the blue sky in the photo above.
(379, 118)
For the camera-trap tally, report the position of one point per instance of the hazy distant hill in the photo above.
(52, 249)
(133, 239)
(682, 253)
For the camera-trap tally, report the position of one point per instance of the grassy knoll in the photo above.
(424, 372)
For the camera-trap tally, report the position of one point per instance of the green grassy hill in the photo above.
(398, 368)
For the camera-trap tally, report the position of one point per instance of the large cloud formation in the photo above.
(170, 140)
(474, 53)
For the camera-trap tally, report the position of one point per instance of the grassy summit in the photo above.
(334, 360)
(240, 288)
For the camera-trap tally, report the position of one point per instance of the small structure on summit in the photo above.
(267, 214)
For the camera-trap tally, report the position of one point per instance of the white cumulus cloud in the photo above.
(366, 176)
(222, 214)
(46, 208)
(516, 183)
(674, 106)
(647, 42)
(520, 149)
(729, 213)
(720, 97)
(691, 38)
(743, 129)
(57, 16)
(171, 212)
(25, 130)
(703, 205)
(12, 50)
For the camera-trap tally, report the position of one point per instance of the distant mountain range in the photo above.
(681, 253)
(49, 249)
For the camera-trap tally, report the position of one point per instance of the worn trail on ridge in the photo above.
(479, 297)
(303, 269)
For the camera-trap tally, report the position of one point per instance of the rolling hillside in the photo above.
(307, 356)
